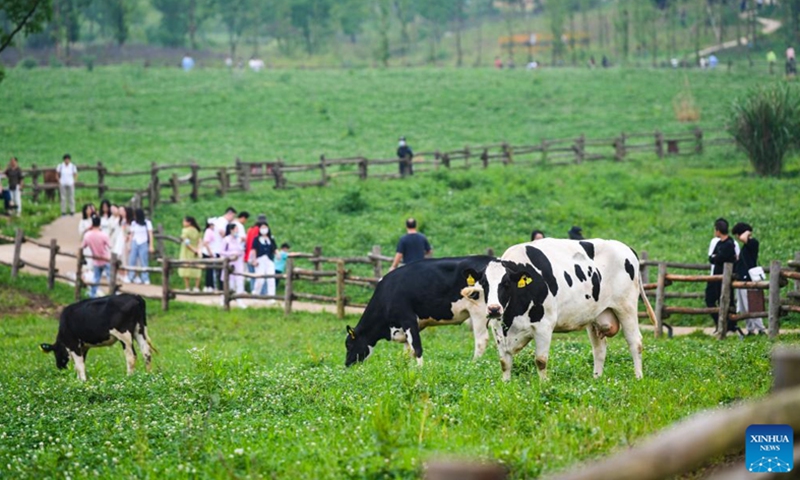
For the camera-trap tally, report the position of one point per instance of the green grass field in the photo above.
(251, 394)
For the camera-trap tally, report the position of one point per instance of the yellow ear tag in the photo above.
(470, 281)
(523, 281)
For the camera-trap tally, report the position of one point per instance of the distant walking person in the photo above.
(722, 251)
(14, 176)
(99, 245)
(406, 156)
(191, 245)
(67, 174)
(748, 259)
(141, 240)
(412, 247)
(537, 235)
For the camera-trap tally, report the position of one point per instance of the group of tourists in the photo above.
(250, 249)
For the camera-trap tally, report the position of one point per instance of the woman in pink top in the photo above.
(232, 248)
(99, 246)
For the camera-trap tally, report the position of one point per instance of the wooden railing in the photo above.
(174, 182)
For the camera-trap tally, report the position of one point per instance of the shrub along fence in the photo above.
(310, 269)
(175, 182)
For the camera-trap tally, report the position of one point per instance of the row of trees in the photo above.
(393, 28)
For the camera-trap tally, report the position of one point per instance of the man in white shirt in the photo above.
(67, 175)
(220, 224)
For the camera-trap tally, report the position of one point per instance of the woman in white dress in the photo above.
(87, 273)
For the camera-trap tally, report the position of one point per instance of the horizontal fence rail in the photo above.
(175, 182)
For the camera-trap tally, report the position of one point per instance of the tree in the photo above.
(555, 13)
(382, 11)
(26, 16)
(234, 15)
(350, 15)
(174, 24)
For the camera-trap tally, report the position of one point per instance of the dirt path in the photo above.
(769, 26)
(65, 231)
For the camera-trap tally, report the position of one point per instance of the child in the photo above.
(280, 261)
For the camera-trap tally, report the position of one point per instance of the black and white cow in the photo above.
(99, 322)
(419, 295)
(554, 285)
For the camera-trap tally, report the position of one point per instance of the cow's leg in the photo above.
(542, 338)
(144, 345)
(80, 365)
(414, 340)
(127, 340)
(481, 334)
(599, 347)
(629, 320)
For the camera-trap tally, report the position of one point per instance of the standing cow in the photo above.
(100, 322)
(419, 295)
(553, 285)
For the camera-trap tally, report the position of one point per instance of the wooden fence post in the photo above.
(51, 265)
(176, 193)
(377, 270)
(164, 283)
(317, 263)
(446, 160)
(490, 252)
(619, 148)
(660, 297)
(466, 156)
(659, 144)
(725, 300)
(288, 293)
(797, 261)
(277, 172)
(485, 158)
(580, 148)
(785, 368)
(323, 170)
(195, 181)
(154, 188)
(340, 300)
(78, 275)
(544, 151)
(507, 157)
(226, 284)
(362, 168)
(101, 176)
(35, 181)
(113, 273)
(461, 470)
(698, 141)
(223, 186)
(774, 299)
(17, 262)
(160, 241)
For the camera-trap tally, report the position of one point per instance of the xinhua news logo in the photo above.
(769, 448)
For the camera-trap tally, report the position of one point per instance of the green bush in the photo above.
(765, 125)
(28, 63)
(88, 60)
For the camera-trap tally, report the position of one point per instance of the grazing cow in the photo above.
(554, 285)
(99, 322)
(419, 295)
(51, 183)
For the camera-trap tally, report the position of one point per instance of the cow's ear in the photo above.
(351, 332)
(46, 347)
(521, 279)
(471, 276)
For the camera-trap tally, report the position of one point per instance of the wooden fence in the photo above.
(175, 182)
(773, 309)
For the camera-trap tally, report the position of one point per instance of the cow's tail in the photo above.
(143, 324)
(651, 314)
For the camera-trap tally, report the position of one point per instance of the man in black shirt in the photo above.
(748, 258)
(405, 155)
(412, 247)
(724, 252)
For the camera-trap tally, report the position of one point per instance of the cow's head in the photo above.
(60, 351)
(473, 293)
(358, 349)
(505, 283)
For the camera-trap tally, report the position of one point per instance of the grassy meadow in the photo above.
(251, 394)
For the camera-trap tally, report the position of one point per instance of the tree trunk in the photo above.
(479, 43)
(459, 52)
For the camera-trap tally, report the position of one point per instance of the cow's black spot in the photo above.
(588, 296)
(629, 268)
(579, 273)
(536, 313)
(567, 278)
(589, 249)
(540, 261)
(596, 285)
(589, 271)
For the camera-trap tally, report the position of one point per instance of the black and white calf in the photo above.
(553, 285)
(99, 322)
(421, 294)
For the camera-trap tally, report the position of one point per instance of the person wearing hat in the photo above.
(67, 175)
(405, 155)
(575, 233)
